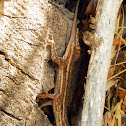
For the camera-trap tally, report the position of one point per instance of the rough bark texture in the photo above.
(24, 71)
(92, 113)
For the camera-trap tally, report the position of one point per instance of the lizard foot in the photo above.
(44, 95)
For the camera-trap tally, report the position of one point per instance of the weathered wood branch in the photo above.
(92, 113)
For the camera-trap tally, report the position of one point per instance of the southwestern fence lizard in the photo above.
(64, 74)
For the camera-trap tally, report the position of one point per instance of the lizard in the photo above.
(64, 73)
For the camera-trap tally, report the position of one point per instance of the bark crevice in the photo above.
(13, 64)
(9, 114)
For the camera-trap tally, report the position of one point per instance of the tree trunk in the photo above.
(92, 113)
(24, 71)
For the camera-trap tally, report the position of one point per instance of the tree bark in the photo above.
(24, 71)
(93, 107)
(21, 56)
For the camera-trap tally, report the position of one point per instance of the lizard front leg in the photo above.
(50, 42)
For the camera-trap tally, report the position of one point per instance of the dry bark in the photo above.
(92, 113)
(24, 71)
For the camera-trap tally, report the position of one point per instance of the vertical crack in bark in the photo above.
(9, 114)
(13, 64)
